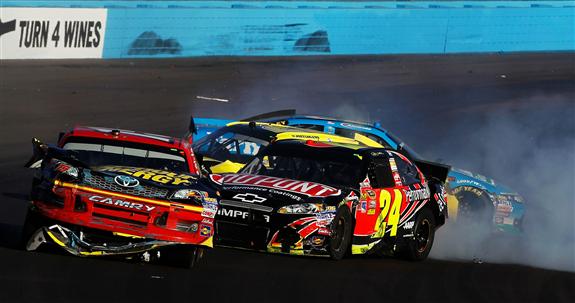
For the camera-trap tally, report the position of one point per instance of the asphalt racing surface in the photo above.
(421, 98)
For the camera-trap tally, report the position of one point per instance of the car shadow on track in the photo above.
(10, 235)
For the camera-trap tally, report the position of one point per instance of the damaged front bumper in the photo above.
(76, 245)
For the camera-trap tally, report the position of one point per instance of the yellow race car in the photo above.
(229, 148)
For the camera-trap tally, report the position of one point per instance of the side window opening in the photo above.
(407, 172)
(379, 172)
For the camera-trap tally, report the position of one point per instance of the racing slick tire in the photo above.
(32, 223)
(473, 206)
(340, 240)
(418, 247)
(184, 256)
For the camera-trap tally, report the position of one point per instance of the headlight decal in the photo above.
(303, 208)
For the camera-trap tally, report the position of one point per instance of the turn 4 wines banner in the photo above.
(46, 33)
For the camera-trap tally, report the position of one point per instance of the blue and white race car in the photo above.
(470, 195)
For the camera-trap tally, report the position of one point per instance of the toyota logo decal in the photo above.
(126, 181)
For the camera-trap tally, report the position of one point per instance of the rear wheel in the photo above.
(474, 208)
(419, 246)
(341, 233)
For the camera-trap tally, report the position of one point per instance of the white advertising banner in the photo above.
(51, 33)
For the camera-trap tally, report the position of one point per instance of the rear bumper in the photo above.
(160, 221)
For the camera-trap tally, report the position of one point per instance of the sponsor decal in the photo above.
(208, 221)
(317, 240)
(392, 164)
(408, 225)
(441, 199)
(476, 191)
(381, 154)
(121, 203)
(233, 213)
(370, 193)
(310, 189)
(126, 181)
(264, 190)
(323, 219)
(354, 126)
(211, 200)
(504, 209)
(42, 33)
(309, 137)
(209, 209)
(249, 198)
(371, 212)
(365, 183)
(418, 194)
(205, 230)
(351, 197)
(396, 178)
(371, 204)
(324, 231)
(209, 213)
(471, 183)
(154, 175)
(363, 206)
(63, 167)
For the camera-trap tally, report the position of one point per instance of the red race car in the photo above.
(103, 192)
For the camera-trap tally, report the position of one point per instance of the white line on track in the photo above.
(212, 99)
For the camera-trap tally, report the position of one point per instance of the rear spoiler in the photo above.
(199, 127)
(433, 170)
(41, 151)
(275, 114)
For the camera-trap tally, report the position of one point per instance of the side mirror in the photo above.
(39, 151)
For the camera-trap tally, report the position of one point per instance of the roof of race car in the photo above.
(322, 118)
(332, 146)
(124, 135)
(270, 131)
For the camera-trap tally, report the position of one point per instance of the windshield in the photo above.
(340, 171)
(412, 154)
(129, 154)
(230, 146)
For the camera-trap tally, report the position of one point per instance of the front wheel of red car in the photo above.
(341, 233)
(419, 246)
(33, 222)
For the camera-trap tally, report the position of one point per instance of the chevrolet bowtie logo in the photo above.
(249, 198)
(6, 27)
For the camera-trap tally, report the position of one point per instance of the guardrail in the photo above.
(144, 29)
